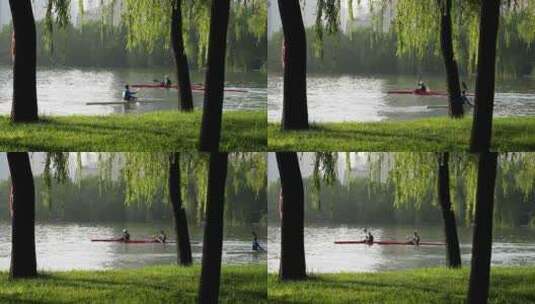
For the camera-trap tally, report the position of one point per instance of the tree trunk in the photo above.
(453, 253)
(181, 222)
(292, 261)
(23, 259)
(294, 107)
(486, 69)
(478, 290)
(452, 70)
(213, 229)
(181, 60)
(24, 107)
(215, 77)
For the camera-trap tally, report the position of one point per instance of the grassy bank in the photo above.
(155, 131)
(433, 134)
(437, 285)
(161, 284)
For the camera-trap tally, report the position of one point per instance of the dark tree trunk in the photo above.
(292, 261)
(213, 229)
(478, 290)
(453, 253)
(215, 77)
(294, 110)
(181, 60)
(23, 259)
(485, 82)
(181, 222)
(452, 69)
(24, 107)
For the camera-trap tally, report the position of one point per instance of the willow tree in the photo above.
(294, 104)
(22, 199)
(292, 256)
(148, 21)
(478, 288)
(213, 230)
(215, 77)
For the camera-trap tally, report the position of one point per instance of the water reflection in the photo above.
(364, 98)
(68, 246)
(511, 247)
(67, 91)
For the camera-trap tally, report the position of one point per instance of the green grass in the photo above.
(432, 134)
(508, 285)
(155, 131)
(160, 284)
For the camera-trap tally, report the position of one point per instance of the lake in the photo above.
(511, 247)
(68, 246)
(364, 98)
(66, 91)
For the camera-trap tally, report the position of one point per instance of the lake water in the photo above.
(68, 246)
(510, 247)
(67, 91)
(364, 98)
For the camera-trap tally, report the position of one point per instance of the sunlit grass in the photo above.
(155, 131)
(432, 134)
(161, 284)
(436, 285)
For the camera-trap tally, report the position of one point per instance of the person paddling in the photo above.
(128, 95)
(126, 236)
(415, 239)
(167, 82)
(422, 88)
(369, 238)
(256, 245)
(161, 237)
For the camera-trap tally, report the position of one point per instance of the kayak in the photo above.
(130, 241)
(193, 87)
(418, 92)
(389, 243)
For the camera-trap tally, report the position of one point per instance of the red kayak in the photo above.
(389, 243)
(174, 86)
(418, 92)
(130, 241)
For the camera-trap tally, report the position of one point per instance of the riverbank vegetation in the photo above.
(431, 134)
(159, 284)
(155, 131)
(513, 285)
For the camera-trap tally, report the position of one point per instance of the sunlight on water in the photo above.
(67, 91)
(511, 247)
(365, 98)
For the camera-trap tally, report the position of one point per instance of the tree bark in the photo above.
(294, 106)
(215, 77)
(23, 257)
(181, 60)
(485, 82)
(478, 290)
(292, 261)
(453, 252)
(213, 229)
(452, 70)
(24, 106)
(181, 222)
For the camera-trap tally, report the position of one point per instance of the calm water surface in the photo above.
(68, 246)
(364, 98)
(67, 91)
(511, 247)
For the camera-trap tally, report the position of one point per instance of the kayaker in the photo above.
(161, 237)
(256, 245)
(167, 82)
(422, 88)
(128, 95)
(369, 238)
(415, 240)
(125, 236)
